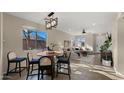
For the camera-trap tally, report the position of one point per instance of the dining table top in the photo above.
(49, 53)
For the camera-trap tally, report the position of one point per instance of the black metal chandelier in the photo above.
(50, 21)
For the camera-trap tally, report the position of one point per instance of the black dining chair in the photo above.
(46, 64)
(12, 58)
(65, 60)
(31, 62)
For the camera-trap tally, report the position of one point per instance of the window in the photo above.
(79, 41)
(34, 39)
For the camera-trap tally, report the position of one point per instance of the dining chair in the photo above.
(46, 64)
(12, 58)
(31, 62)
(65, 60)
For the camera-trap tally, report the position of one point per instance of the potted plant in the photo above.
(53, 45)
(106, 55)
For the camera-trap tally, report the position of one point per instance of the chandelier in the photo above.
(50, 21)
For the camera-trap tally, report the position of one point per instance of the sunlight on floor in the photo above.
(107, 71)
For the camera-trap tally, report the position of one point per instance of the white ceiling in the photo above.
(74, 22)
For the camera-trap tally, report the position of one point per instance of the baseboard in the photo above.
(118, 73)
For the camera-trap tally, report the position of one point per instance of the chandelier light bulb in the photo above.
(48, 25)
(53, 23)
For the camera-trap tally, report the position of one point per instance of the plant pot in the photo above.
(106, 62)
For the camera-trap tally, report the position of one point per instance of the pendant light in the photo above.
(83, 32)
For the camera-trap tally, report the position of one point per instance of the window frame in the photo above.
(27, 40)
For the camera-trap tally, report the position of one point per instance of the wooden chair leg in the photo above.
(42, 73)
(8, 68)
(32, 68)
(57, 71)
(69, 77)
(16, 67)
(52, 76)
(28, 72)
(26, 64)
(20, 69)
(69, 71)
(38, 74)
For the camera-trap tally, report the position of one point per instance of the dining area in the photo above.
(40, 65)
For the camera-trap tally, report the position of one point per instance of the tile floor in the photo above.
(84, 68)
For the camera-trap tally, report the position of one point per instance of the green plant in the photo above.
(53, 45)
(30, 48)
(107, 44)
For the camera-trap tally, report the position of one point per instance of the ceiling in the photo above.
(74, 22)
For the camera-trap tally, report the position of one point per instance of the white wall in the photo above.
(115, 45)
(58, 37)
(120, 64)
(12, 28)
(94, 42)
(90, 40)
(0, 45)
(118, 45)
